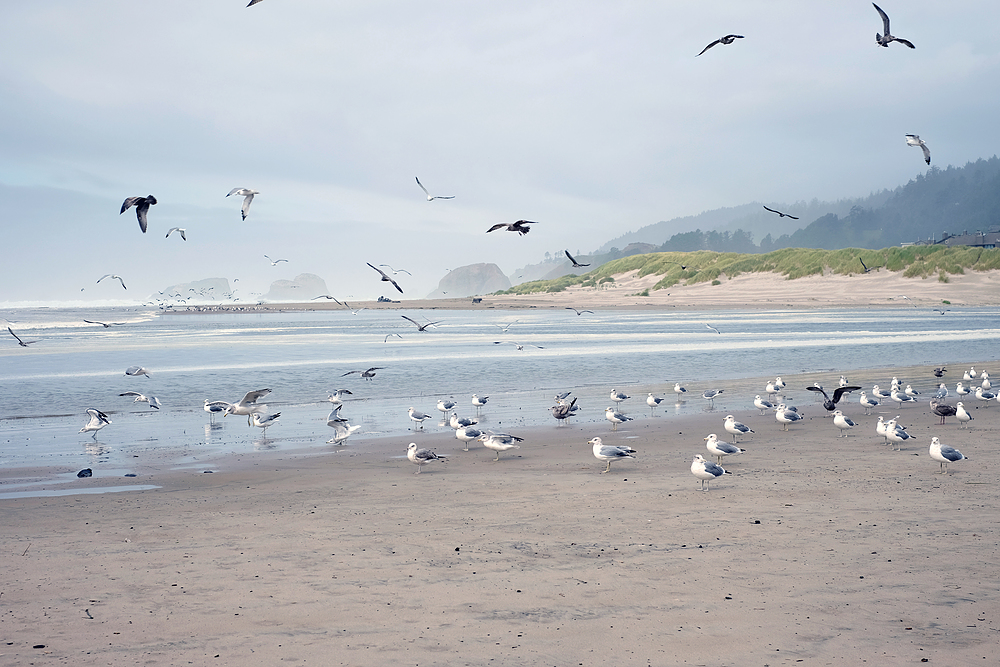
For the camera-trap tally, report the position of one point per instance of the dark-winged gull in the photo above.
(22, 343)
(615, 418)
(518, 226)
(915, 140)
(106, 325)
(263, 421)
(865, 266)
(901, 398)
(113, 277)
(274, 262)
(142, 205)
(248, 404)
(619, 396)
(679, 390)
(385, 278)
(563, 411)
(579, 312)
(610, 453)
(367, 374)
(500, 442)
(417, 416)
(962, 415)
(254, 2)
(910, 391)
(736, 428)
(883, 40)
(843, 422)
(942, 410)
(420, 327)
(421, 457)
(710, 394)
(719, 448)
(961, 390)
(728, 39)
(939, 372)
(142, 398)
(831, 403)
(136, 370)
(98, 420)
(879, 393)
(944, 454)
(431, 197)
(247, 195)
(780, 214)
(576, 264)
(479, 401)
(214, 408)
(706, 471)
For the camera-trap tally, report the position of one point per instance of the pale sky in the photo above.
(592, 118)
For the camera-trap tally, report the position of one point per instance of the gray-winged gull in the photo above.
(706, 471)
(944, 454)
(610, 453)
(719, 448)
(98, 420)
(421, 457)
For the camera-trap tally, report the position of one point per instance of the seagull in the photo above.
(421, 327)
(113, 277)
(179, 230)
(961, 415)
(615, 418)
(445, 406)
(421, 456)
(878, 392)
(519, 346)
(895, 433)
(106, 325)
(337, 397)
(247, 404)
(342, 429)
(457, 422)
(327, 297)
(140, 398)
(247, 195)
(942, 391)
(706, 471)
(984, 395)
(365, 374)
(136, 370)
(842, 422)
(429, 196)
(22, 343)
(939, 372)
(785, 416)
(579, 312)
(275, 262)
(883, 40)
(563, 411)
(503, 327)
(262, 421)
(679, 390)
(720, 448)
(467, 434)
(610, 453)
(868, 403)
(98, 420)
(710, 394)
(728, 39)
(619, 396)
(943, 410)
(576, 264)
(215, 407)
(518, 226)
(780, 214)
(735, 427)
(828, 403)
(395, 271)
(843, 381)
(901, 398)
(910, 391)
(945, 454)
(386, 278)
(761, 404)
(254, 2)
(500, 442)
(864, 266)
(653, 402)
(417, 416)
(713, 328)
(479, 401)
(962, 391)
(915, 140)
(142, 205)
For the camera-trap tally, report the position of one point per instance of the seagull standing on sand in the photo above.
(896, 434)
(679, 390)
(784, 416)
(142, 205)
(429, 196)
(563, 411)
(619, 396)
(842, 422)
(467, 434)
(653, 402)
(479, 401)
(22, 343)
(342, 429)
(445, 407)
(914, 140)
(719, 448)
(710, 394)
(610, 453)
(418, 417)
(576, 264)
(984, 395)
(944, 454)
(735, 427)
(884, 40)
(421, 457)
(728, 39)
(962, 415)
(868, 403)
(98, 420)
(500, 442)
(247, 195)
(457, 422)
(615, 418)
(761, 404)
(706, 471)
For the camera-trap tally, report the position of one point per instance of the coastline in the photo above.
(816, 547)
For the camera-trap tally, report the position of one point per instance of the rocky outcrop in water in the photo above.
(470, 280)
(304, 287)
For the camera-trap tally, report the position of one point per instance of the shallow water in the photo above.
(302, 356)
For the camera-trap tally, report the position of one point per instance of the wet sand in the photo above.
(817, 550)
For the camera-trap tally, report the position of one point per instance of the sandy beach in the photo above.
(816, 550)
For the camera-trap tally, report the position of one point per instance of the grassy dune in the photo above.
(705, 266)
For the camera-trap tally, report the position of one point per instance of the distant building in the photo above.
(979, 239)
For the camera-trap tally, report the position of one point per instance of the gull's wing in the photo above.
(350, 373)
(246, 205)
(15, 335)
(381, 272)
(141, 211)
(421, 185)
(411, 320)
(253, 2)
(129, 203)
(837, 393)
(499, 225)
(905, 41)
(252, 396)
(718, 41)
(927, 151)
(820, 390)
(885, 19)
(130, 393)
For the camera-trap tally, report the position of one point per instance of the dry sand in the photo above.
(819, 550)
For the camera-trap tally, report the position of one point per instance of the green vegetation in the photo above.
(689, 268)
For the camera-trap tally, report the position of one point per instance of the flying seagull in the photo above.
(98, 420)
(106, 325)
(326, 296)
(915, 140)
(274, 262)
(420, 327)
(518, 226)
(831, 404)
(579, 312)
(728, 39)
(576, 264)
(113, 277)
(780, 214)
(141, 398)
(22, 343)
(883, 40)
(253, 2)
(395, 271)
(386, 278)
(136, 371)
(864, 266)
(713, 328)
(142, 205)
(246, 193)
(519, 346)
(366, 374)
(431, 197)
